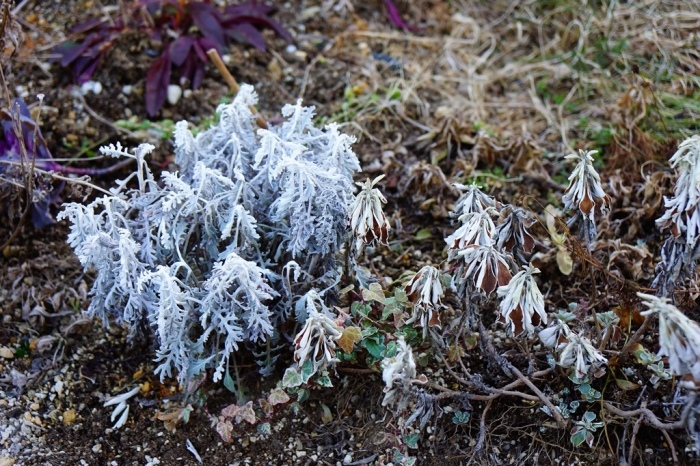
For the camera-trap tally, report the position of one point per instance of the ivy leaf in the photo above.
(375, 345)
(277, 396)
(291, 378)
(264, 428)
(391, 349)
(225, 429)
(374, 293)
(303, 395)
(246, 413)
(324, 381)
(411, 440)
(307, 370)
(350, 336)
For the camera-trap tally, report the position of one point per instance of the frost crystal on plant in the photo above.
(679, 336)
(485, 267)
(477, 229)
(522, 306)
(681, 251)
(368, 222)
(512, 234)
(200, 257)
(425, 291)
(472, 199)
(401, 370)
(317, 339)
(585, 194)
(578, 352)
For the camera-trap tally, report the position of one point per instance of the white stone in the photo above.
(91, 86)
(126, 90)
(174, 93)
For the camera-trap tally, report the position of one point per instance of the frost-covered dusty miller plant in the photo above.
(215, 256)
(681, 251)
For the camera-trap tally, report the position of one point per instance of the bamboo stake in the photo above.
(232, 84)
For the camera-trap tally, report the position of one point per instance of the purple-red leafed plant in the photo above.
(394, 15)
(187, 29)
(23, 154)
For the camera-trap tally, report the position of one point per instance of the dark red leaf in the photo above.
(264, 21)
(86, 26)
(180, 49)
(206, 44)
(70, 51)
(208, 20)
(249, 8)
(395, 16)
(84, 68)
(187, 70)
(198, 75)
(247, 33)
(157, 81)
(201, 53)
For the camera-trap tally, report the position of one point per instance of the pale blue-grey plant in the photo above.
(211, 257)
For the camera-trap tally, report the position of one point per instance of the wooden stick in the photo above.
(232, 84)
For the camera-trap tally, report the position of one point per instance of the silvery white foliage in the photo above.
(682, 214)
(172, 314)
(368, 222)
(425, 291)
(483, 267)
(122, 407)
(477, 229)
(203, 252)
(512, 234)
(578, 352)
(399, 370)
(472, 199)
(681, 251)
(679, 336)
(585, 195)
(232, 308)
(317, 339)
(522, 304)
(558, 332)
(228, 146)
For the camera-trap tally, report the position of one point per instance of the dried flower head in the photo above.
(368, 221)
(401, 368)
(679, 336)
(485, 266)
(425, 291)
(585, 193)
(682, 215)
(317, 340)
(522, 306)
(578, 352)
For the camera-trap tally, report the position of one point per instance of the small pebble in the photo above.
(126, 90)
(91, 86)
(69, 417)
(174, 93)
(6, 353)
